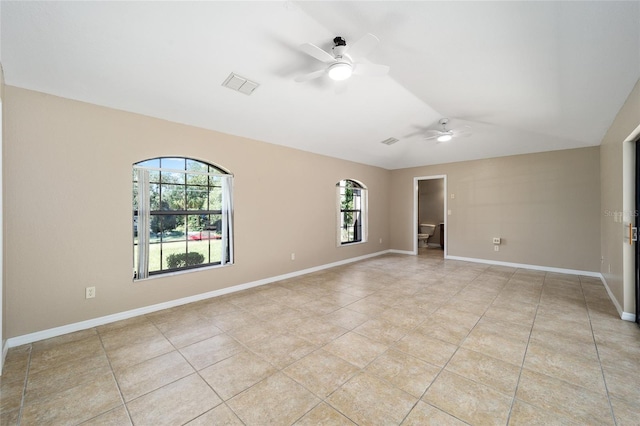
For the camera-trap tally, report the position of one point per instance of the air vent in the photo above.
(240, 84)
(390, 141)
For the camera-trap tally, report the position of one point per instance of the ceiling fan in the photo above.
(342, 62)
(444, 134)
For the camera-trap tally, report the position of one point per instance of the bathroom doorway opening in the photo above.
(430, 208)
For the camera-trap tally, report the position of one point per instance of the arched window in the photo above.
(352, 212)
(182, 216)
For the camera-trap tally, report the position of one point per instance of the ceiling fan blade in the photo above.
(465, 130)
(314, 51)
(428, 138)
(363, 46)
(310, 76)
(372, 70)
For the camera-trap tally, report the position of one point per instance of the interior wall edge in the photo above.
(626, 316)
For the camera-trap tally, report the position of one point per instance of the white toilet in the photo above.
(425, 231)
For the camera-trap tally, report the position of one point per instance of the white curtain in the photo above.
(364, 208)
(227, 220)
(144, 219)
(339, 216)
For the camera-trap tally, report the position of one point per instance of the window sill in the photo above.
(186, 271)
(355, 243)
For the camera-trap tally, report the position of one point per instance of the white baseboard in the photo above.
(626, 316)
(83, 325)
(5, 349)
(612, 297)
(401, 251)
(528, 266)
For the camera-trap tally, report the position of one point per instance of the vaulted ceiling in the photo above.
(525, 76)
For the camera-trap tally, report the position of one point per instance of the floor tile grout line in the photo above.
(515, 393)
(595, 342)
(321, 399)
(115, 379)
(546, 374)
(524, 357)
(590, 313)
(361, 370)
(538, 305)
(25, 384)
(195, 371)
(211, 409)
(459, 345)
(97, 334)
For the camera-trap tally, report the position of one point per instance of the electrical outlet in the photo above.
(89, 292)
(496, 240)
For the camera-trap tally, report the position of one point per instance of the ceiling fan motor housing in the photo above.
(340, 45)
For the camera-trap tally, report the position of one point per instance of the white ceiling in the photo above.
(526, 76)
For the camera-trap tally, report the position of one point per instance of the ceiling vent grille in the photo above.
(390, 141)
(240, 84)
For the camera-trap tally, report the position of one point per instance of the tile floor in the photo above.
(411, 340)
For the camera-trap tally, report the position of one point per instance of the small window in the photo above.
(182, 216)
(352, 212)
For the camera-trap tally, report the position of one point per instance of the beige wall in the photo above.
(545, 207)
(613, 165)
(70, 163)
(68, 209)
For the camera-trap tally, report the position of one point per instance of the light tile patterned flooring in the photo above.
(411, 340)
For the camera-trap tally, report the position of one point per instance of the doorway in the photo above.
(430, 207)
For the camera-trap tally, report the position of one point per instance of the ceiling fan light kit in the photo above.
(340, 71)
(343, 59)
(445, 134)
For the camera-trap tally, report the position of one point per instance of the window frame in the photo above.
(216, 177)
(361, 210)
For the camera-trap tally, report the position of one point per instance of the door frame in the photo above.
(627, 307)
(636, 146)
(414, 224)
(3, 346)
